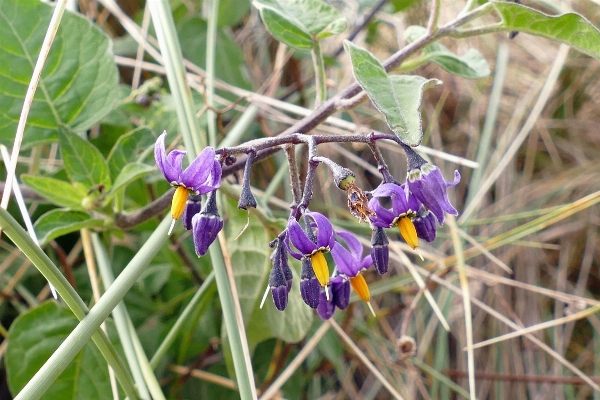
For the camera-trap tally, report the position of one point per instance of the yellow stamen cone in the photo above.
(179, 199)
(319, 265)
(360, 287)
(409, 232)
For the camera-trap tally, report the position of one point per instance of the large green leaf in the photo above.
(128, 174)
(128, 148)
(397, 97)
(57, 191)
(79, 81)
(570, 28)
(34, 336)
(59, 222)
(300, 23)
(471, 65)
(83, 161)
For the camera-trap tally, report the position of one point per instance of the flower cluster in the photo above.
(202, 176)
(415, 206)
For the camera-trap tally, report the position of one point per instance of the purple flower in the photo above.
(351, 263)
(426, 183)
(203, 175)
(312, 247)
(425, 225)
(404, 209)
(206, 225)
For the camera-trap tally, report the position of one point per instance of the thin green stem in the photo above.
(181, 320)
(35, 254)
(120, 317)
(234, 327)
(211, 40)
(319, 67)
(166, 34)
(65, 353)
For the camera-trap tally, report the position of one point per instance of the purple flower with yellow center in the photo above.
(350, 263)
(310, 246)
(202, 176)
(404, 209)
(426, 183)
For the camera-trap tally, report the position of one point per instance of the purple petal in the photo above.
(197, 172)
(191, 208)
(299, 239)
(383, 217)
(325, 230)
(430, 190)
(388, 190)
(280, 297)
(169, 165)
(205, 228)
(326, 308)
(455, 181)
(346, 264)
(309, 290)
(354, 245)
(366, 262)
(425, 226)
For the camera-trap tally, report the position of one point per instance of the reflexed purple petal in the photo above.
(197, 172)
(366, 262)
(341, 294)
(299, 239)
(354, 245)
(456, 179)
(325, 230)
(280, 297)
(205, 228)
(169, 165)
(191, 208)
(346, 264)
(383, 217)
(388, 190)
(430, 189)
(213, 181)
(425, 226)
(326, 308)
(309, 290)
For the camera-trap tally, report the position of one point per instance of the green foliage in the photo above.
(59, 222)
(34, 336)
(300, 23)
(79, 81)
(569, 28)
(397, 97)
(57, 191)
(471, 65)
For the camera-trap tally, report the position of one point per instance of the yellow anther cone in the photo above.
(319, 265)
(360, 287)
(179, 199)
(409, 232)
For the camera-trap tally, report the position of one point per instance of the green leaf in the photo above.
(570, 28)
(59, 222)
(397, 97)
(78, 85)
(128, 174)
(128, 148)
(34, 336)
(57, 191)
(471, 65)
(231, 12)
(83, 161)
(300, 23)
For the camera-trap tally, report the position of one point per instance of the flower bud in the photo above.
(192, 207)
(206, 225)
(326, 307)
(309, 285)
(246, 197)
(278, 285)
(425, 226)
(341, 293)
(380, 251)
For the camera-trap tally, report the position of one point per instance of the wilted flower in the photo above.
(206, 225)
(404, 209)
(426, 183)
(311, 247)
(203, 175)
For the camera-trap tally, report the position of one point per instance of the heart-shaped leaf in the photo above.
(398, 97)
(34, 336)
(300, 23)
(79, 81)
